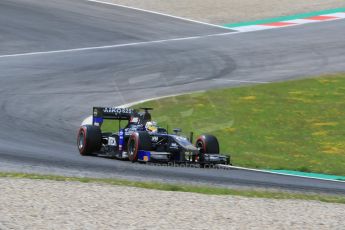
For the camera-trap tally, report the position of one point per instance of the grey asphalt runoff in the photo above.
(44, 97)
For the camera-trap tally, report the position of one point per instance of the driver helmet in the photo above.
(151, 126)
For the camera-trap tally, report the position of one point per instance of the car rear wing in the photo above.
(111, 113)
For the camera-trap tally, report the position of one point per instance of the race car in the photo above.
(143, 140)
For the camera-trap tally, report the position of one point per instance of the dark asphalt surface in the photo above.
(44, 97)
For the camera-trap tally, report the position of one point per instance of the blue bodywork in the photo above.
(144, 155)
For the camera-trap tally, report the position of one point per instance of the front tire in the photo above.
(89, 140)
(136, 142)
(206, 144)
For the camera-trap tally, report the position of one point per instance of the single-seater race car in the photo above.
(143, 141)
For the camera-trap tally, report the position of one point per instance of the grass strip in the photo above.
(294, 125)
(181, 188)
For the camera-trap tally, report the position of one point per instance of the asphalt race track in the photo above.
(45, 95)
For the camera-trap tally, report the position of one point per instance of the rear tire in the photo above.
(138, 141)
(89, 139)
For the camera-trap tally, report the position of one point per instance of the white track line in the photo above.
(159, 13)
(114, 46)
(241, 81)
(244, 29)
(237, 30)
(157, 98)
(277, 173)
(88, 120)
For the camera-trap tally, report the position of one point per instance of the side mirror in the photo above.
(177, 130)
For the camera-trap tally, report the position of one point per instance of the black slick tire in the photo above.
(89, 139)
(136, 142)
(206, 144)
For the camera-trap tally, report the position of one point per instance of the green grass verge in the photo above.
(294, 125)
(182, 188)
